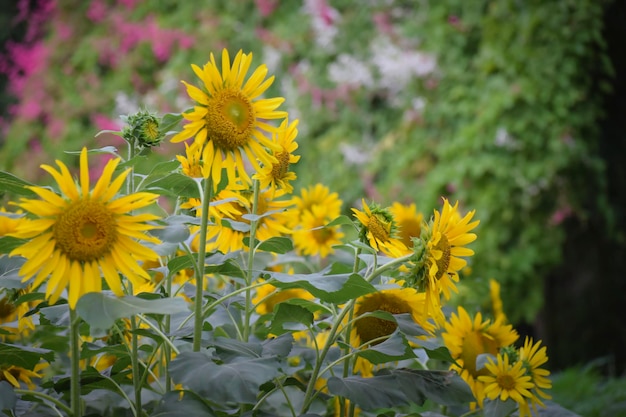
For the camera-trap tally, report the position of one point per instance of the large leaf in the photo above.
(231, 349)
(236, 382)
(442, 387)
(288, 317)
(395, 348)
(173, 405)
(7, 396)
(337, 288)
(23, 356)
(369, 393)
(9, 271)
(174, 231)
(276, 244)
(497, 408)
(174, 185)
(279, 346)
(101, 311)
(11, 184)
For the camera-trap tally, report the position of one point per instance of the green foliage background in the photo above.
(505, 121)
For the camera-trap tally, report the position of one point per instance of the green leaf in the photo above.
(441, 353)
(497, 408)
(369, 393)
(179, 263)
(172, 405)
(395, 348)
(289, 317)
(101, 311)
(174, 185)
(11, 184)
(279, 346)
(111, 150)
(8, 243)
(337, 288)
(342, 219)
(8, 399)
(23, 356)
(442, 387)
(277, 244)
(234, 383)
(9, 272)
(159, 170)
(172, 232)
(228, 349)
(168, 122)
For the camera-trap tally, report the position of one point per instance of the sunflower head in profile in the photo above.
(278, 174)
(80, 235)
(227, 120)
(533, 357)
(467, 337)
(445, 239)
(409, 222)
(13, 316)
(379, 229)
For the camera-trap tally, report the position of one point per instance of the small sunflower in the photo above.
(445, 239)
(408, 221)
(13, 316)
(192, 163)
(14, 374)
(533, 356)
(506, 380)
(466, 338)
(314, 237)
(80, 235)
(316, 195)
(278, 175)
(378, 227)
(227, 122)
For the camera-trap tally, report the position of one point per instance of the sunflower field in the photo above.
(243, 209)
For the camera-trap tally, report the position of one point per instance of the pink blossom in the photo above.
(266, 7)
(97, 11)
(129, 4)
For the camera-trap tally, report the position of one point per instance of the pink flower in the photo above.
(266, 7)
(97, 11)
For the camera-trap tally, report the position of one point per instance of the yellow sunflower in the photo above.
(533, 356)
(445, 239)
(14, 374)
(466, 338)
(506, 380)
(228, 118)
(314, 237)
(80, 235)
(13, 316)
(496, 301)
(277, 175)
(378, 227)
(192, 163)
(9, 221)
(315, 195)
(408, 221)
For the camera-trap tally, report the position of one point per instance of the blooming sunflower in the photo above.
(408, 221)
(192, 163)
(445, 239)
(316, 195)
(14, 374)
(506, 380)
(466, 338)
(227, 119)
(314, 237)
(533, 356)
(277, 175)
(80, 235)
(13, 316)
(379, 228)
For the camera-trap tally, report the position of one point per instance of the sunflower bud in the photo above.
(142, 129)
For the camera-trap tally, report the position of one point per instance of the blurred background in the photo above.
(515, 108)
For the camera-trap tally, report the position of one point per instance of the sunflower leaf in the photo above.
(9, 267)
(11, 184)
(395, 348)
(368, 393)
(8, 399)
(338, 288)
(276, 244)
(442, 387)
(23, 356)
(101, 311)
(497, 408)
(289, 317)
(236, 382)
(174, 405)
(174, 185)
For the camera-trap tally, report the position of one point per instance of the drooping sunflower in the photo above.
(278, 175)
(533, 356)
(506, 380)
(314, 237)
(445, 239)
(227, 120)
(466, 338)
(79, 236)
(409, 222)
(379, 228)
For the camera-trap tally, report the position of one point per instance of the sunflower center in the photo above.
(507, 382)
(230, 120)
(378, 228)
(370, 328)
(474, 344)
(86, 231)
(6, 308)
(322, 235)
(444, 260)
(279, 170)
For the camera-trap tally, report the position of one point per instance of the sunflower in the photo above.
(466, 338)
(316, 195)
(13, 317)
(9, 221)
(192, 163)
(533, 356)
(14, 374)
(444, 241)
(268, 297)
(314, 237)
(80, 235)
(496, 301)
(277, 175)
(506, 380)
(408, 221)
(228, 118)
(379, 228)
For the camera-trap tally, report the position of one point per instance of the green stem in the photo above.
(46, 397)
(206, 202)
(251, 246)
(134, 359)
(75, 364)
(389, 265)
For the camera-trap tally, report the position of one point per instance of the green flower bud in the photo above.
(142, 129)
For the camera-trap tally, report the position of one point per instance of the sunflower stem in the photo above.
(198, 320)
(75, 364)
(251, 246)
(134, 359)
(55, 403)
